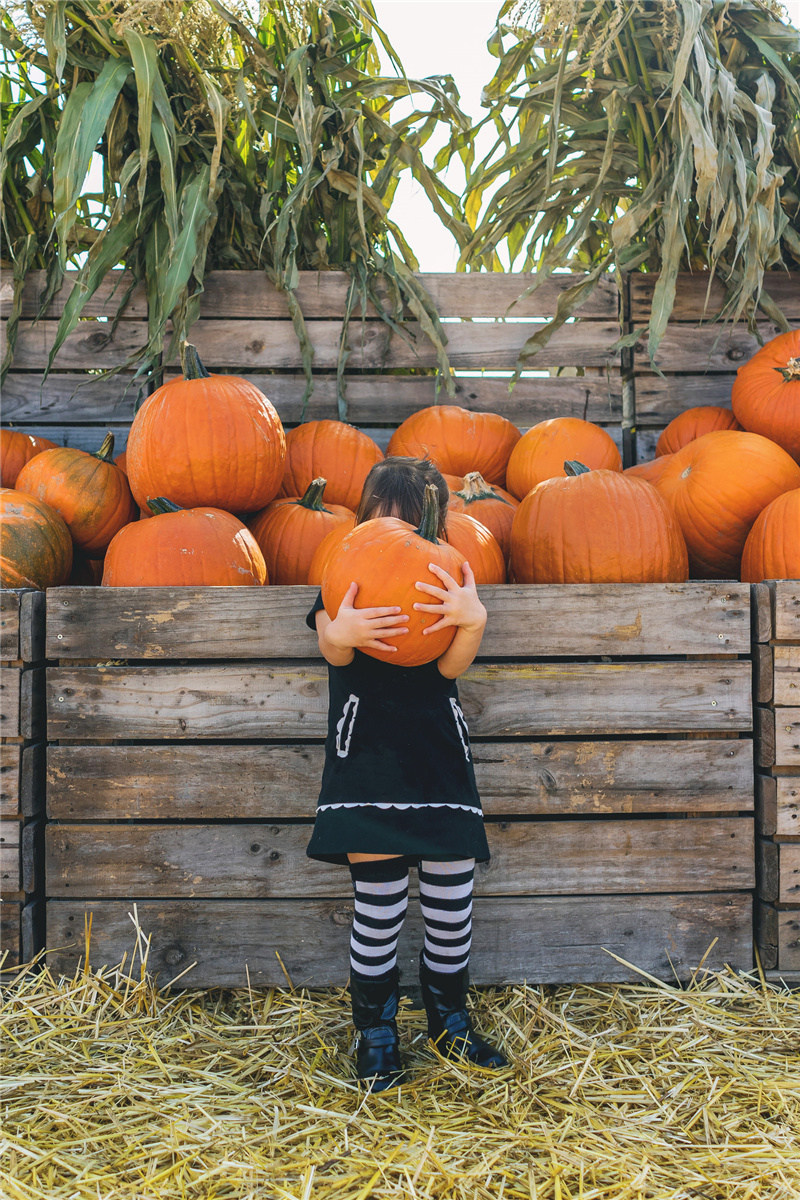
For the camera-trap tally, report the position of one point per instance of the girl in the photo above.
(398, 790)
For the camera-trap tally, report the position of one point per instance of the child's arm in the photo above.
(357, 629)
(459, 606)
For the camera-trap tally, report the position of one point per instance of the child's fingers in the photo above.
(431, 608)
(445, 577)
(371, 613)
(444, 623)
(375, 645)
(468, 573)
(431, 589)
(388, 619)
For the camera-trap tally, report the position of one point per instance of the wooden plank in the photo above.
(103, 303)
(660, 400)
(763, 673)
(9, 624)
(767, 872)
(788, 941)
(9, 938)
(104, 783)
(788, 873)
(232, 345)
(710, 348)
(546, 940)
(524, 619)
(766, 804)
(764, 736)
(31, 626)
(696, 301)
(10, 688)
(787, 737)
(787, 806)
(787, 675)
(80, 437)
(528, 858)
(32, 932)
(32, 855)
(10, 762)
(10, 832)
(10, 870)
(761, 610)
(786, 610)
(289, 700)
(32, 779)
(371, 399)
(765, 928)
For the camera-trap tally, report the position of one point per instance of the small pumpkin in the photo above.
(772, 549)
(692, 424)
(651, 470)
(486, 502)
(386, 557)
(457, 440)
(36, 546)
(327, 549)
(88, 490)
(479, 546)
(16, 449)
(289, 532)
(542, 451)
(329, 450)
(184, 547)
(206, 440)
(596, 527)
(717, 486)
(766, 392)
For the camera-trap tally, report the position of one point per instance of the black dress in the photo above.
(398, 775)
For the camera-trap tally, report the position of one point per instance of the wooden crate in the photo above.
(185, 732)
(22, 774)
(777, 694)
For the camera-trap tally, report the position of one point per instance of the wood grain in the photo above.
(10, 762)
(787, 675)
(766, 796)
(789, 873)
(767, 872)
(524, 620)
(31, 626)
(9, 938)
(289, 700)
(787, 737)
(787, 806)
(786, 610)
(10, 870)
(763, 673)
(764, 736)
(709, 348)
(765, 930)
(660, 400)
(761, 609)
(528, 858)
(9, 625)
(103, 303)
(789, 941)
(695, 300)
(546, 940)
(102, 783)
(10, 687)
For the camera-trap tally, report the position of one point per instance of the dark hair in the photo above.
(396, 488)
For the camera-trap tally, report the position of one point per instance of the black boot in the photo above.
(375, 1003)
(449, 1026)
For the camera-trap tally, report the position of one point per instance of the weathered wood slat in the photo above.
(252, 344)
(10, 913)
(767, 873)
(525, 619)
(659, 401)
(763, 673)
(528, 858)
(787, 737)
(80, 437)
(10, 763)
(9, 624)
(709, 348)
(22, 702)
(786, 610)
(104, 783)
(289, 700)
(103, 303)
(789, 941)
(10, 688)
(31, 626)
(371, 399)
(787, 806)
(547, 940)
(32, 855)
(10, 869)
(787, 675)
(761, 610)
(788, 873)
(765, 931)
(695, 301)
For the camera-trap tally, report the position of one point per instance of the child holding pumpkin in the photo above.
(398, 788)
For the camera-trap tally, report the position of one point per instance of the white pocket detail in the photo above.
(461, 725)
(347, 720)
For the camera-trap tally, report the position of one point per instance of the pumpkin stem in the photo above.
(576, 468)
(476, 488)
(429, 524)
(791, 371)
(191, 365)
(312, 497)
(106, 450)
(161, 505)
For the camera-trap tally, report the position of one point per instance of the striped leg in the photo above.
(381, 895)
(445, 896)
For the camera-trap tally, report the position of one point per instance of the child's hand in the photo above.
(459, 606)
(362, 628)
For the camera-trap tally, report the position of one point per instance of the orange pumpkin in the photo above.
(692, 424)
(185, 547)
(457, 440)
(479, 546)
(543, 450)
(36, 546)
(121, 461)
(487, 503)
(289, 532)
(772, 549)
(454, 482)
(596, 527)
(331, 450)
(327, 549)
(651, 471)
(206, 441)
(717, 486)
(16, 449)
(386, 557)
(766, 392)
(90, 493)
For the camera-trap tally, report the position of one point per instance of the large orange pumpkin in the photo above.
(491, 505)
(36, 547)
(772, 549)
(289, 532)
(543, 450)
(457, 440)
(717, 486)
(331, 450)
(16, 449)
(692, 424)
(177, 547)
(206, 440)
(596, 527)
(766, 392)
(327, 549)
(479, 546)
(89, 491)
(651, 471)
(386, 557)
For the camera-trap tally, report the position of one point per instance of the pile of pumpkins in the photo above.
(211, 490)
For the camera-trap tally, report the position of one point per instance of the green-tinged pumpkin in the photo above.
(17, 449)
(36, 550)
(289, 532)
